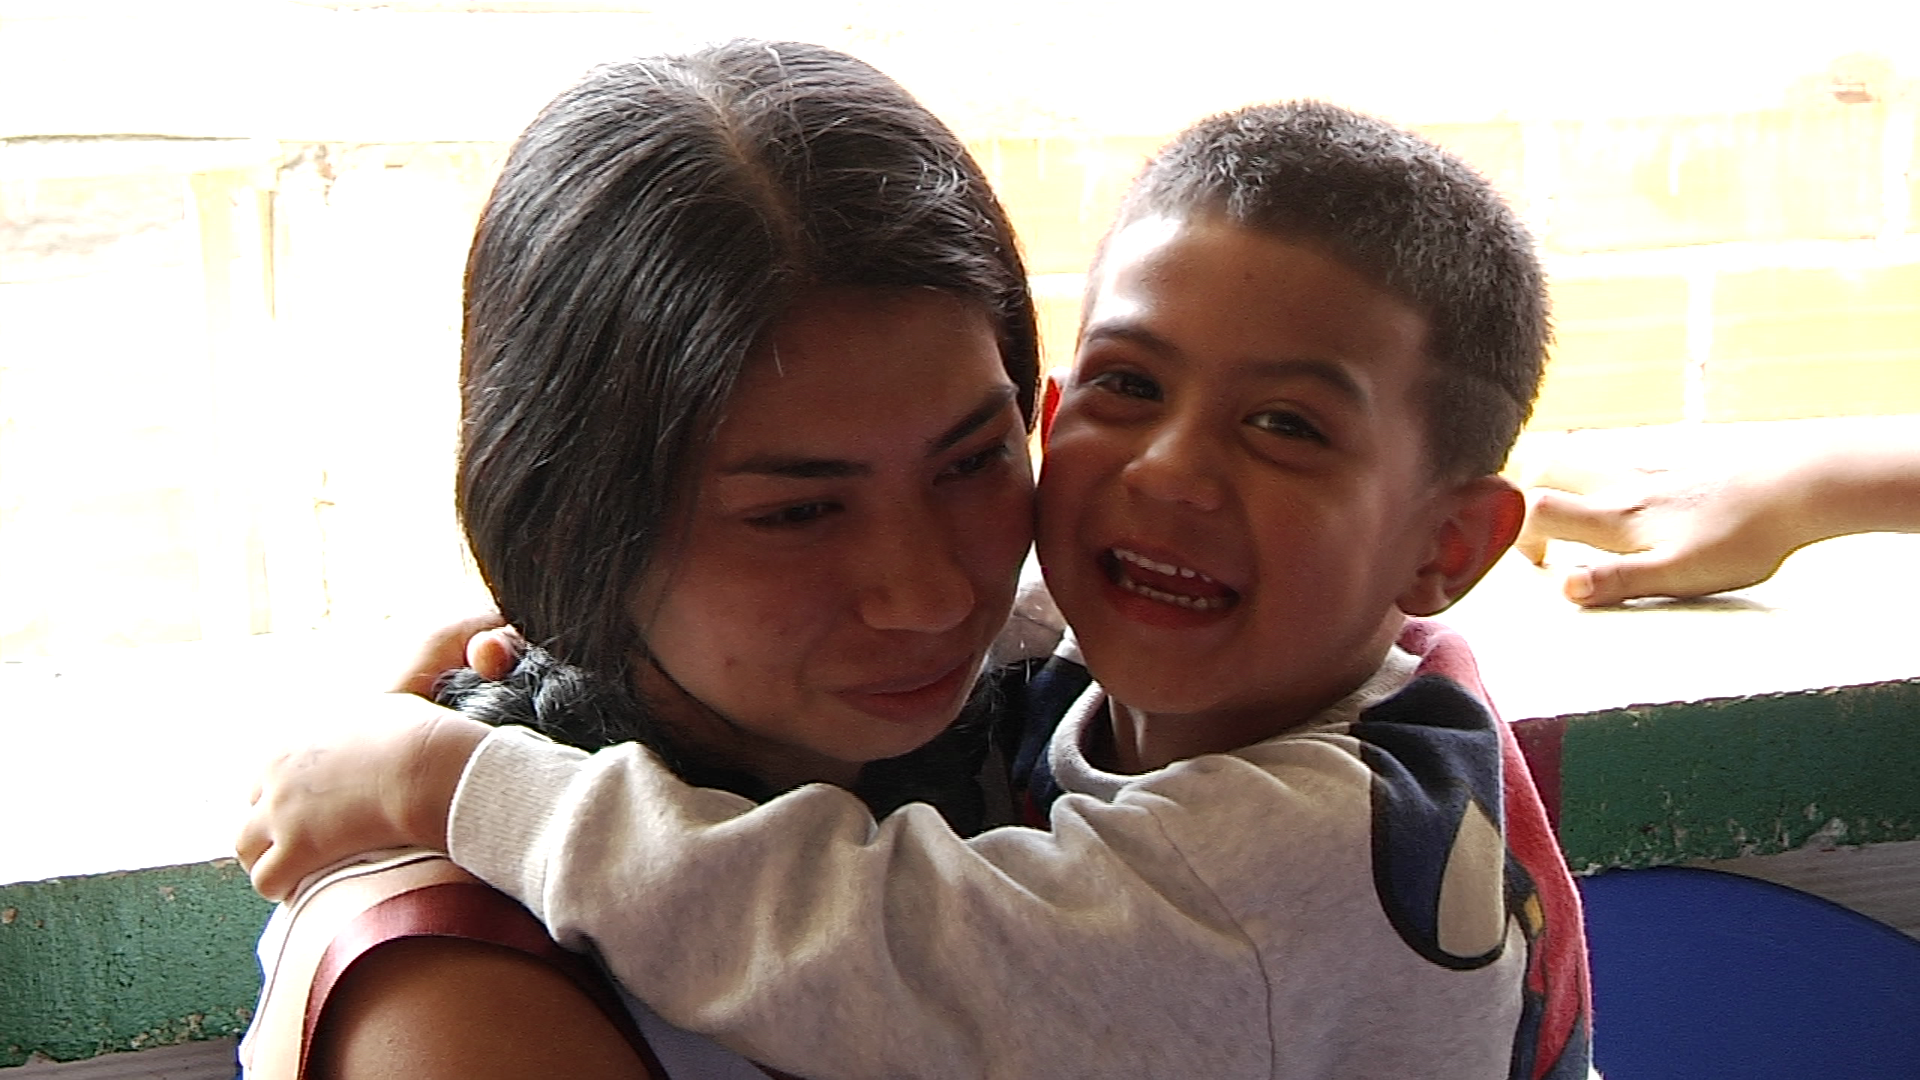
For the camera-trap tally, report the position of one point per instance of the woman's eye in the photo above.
(1287, 425)
(1126, 384)
(979, 462)
(788, 517)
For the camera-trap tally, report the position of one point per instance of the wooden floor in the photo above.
(212, 1059)
(1881, 881)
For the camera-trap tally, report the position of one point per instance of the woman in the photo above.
(748, 366)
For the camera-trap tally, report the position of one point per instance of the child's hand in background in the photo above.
(1728, 517)
(1676, 533)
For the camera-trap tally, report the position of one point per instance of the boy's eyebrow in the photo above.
(1326, 371)
(1335, 376)
(808, 468)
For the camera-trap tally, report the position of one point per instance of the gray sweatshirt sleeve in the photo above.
(811, 938)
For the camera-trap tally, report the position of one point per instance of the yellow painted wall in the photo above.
(1777, 245)
(260, 437)
(1815, 342)
(1620, 353)
(1655, 182)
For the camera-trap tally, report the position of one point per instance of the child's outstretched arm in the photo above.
(385, 782)
(1692, 531)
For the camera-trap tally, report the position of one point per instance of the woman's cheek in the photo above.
(1002, 524)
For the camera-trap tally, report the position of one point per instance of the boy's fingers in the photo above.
(279, 869)
(266, 876)
(494, 653)
(444, 650)
(250, 845)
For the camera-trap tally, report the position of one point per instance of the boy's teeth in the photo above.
(1168, 569)
(1197, 591)
(1192, 603)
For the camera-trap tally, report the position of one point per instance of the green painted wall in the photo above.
(1741, 776)
(127, 960)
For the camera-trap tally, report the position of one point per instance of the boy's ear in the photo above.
(1050, 390)
(1481, 523)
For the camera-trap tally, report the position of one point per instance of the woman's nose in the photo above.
(911, 577)
(1177, 462)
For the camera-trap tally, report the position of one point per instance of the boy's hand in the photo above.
(483, 638)
(387, 782)
(494, 651)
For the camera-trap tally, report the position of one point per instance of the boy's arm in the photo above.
(808, 937)
(802, 933)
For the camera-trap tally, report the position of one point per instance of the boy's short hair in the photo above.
(1408, 215)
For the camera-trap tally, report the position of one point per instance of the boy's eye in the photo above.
(1287, 425)
(1126, 384)
(978, 462)
(790, 517)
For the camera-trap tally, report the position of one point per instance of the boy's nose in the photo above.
(911, 578)
(1177, 463)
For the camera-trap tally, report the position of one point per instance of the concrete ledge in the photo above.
(1735, 777)
(126, 961)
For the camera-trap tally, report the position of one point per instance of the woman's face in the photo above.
(852, 545)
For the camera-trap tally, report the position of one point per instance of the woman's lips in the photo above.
(914, 697)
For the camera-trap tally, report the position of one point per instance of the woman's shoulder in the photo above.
(304, 938)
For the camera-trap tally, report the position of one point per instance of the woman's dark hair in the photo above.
(647, 229)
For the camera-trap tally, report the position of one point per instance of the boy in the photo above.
(1297, 844)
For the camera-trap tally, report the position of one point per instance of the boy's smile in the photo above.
(1236, 494)
(1167, 583)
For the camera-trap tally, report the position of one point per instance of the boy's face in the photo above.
(1235, 491)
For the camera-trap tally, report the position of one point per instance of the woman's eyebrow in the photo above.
(797, 468)
(996, 401)
(811, 468)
